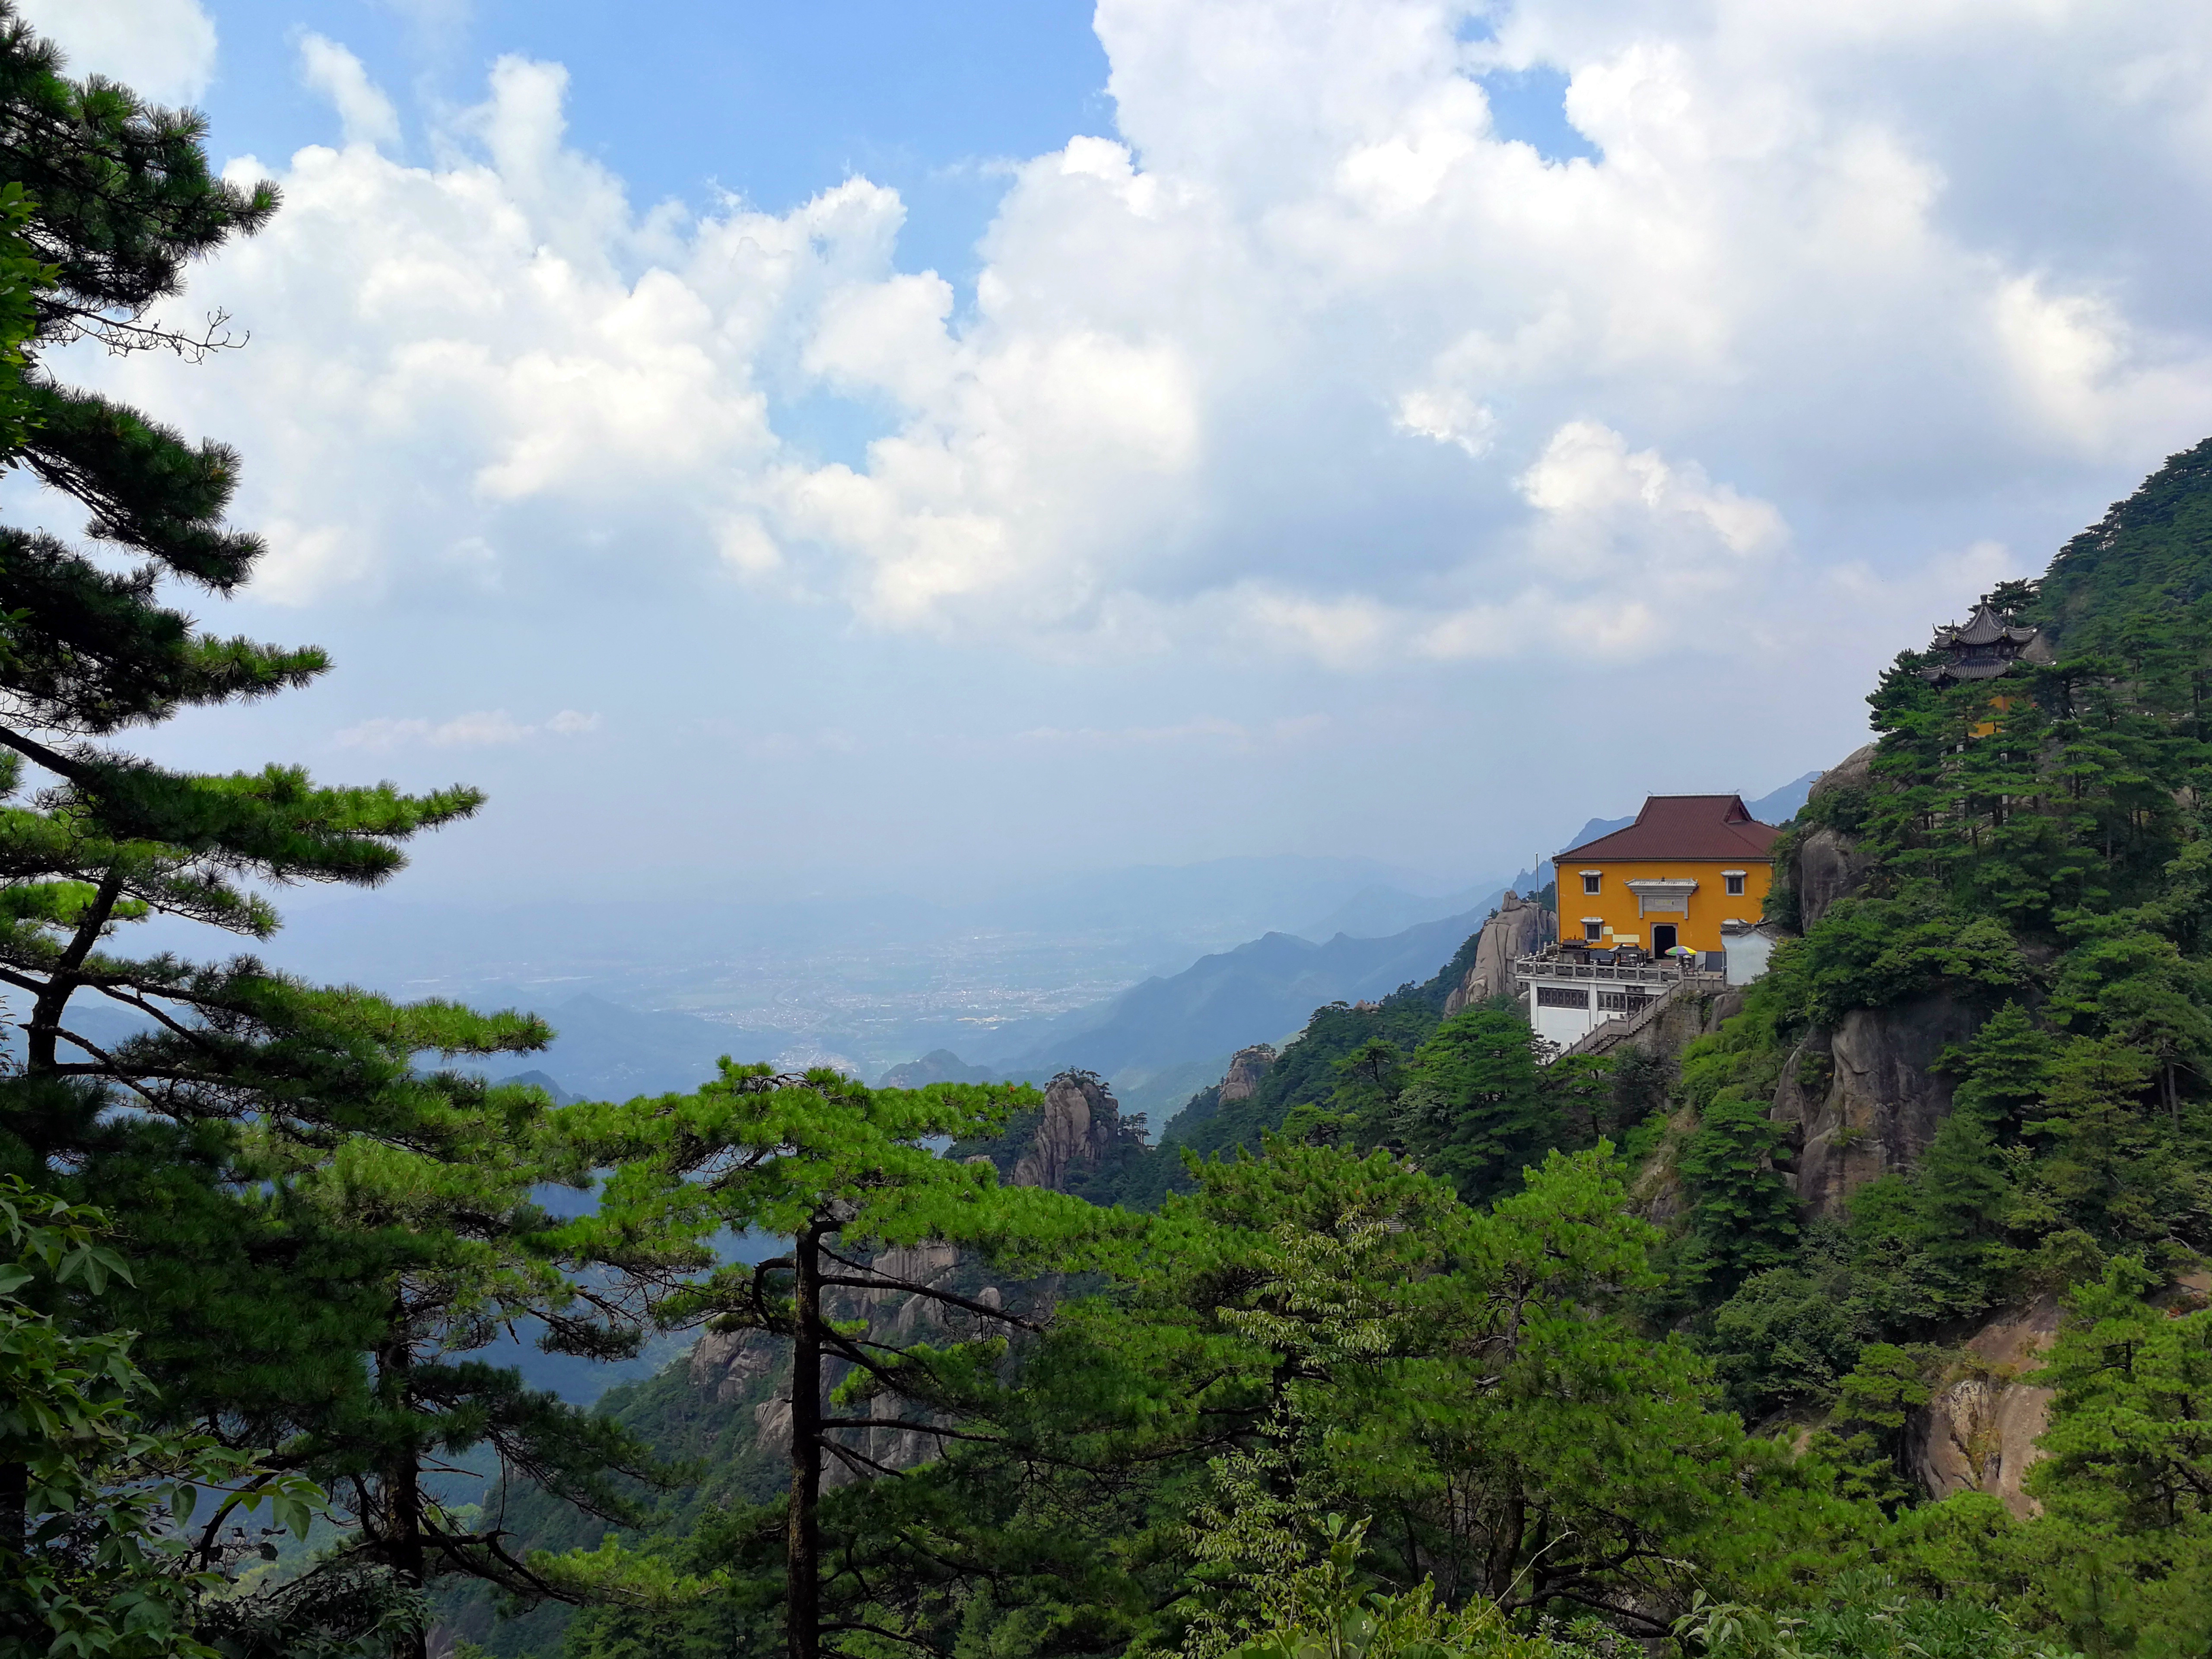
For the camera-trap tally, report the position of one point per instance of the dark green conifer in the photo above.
(1474, 1109)
(1743, 1215)
(214, 1137)
(1964, 1199)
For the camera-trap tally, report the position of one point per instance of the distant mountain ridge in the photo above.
(1150, 1038)
(1378, 912)
(1259, 992)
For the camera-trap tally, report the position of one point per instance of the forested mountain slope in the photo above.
(1961, 1129)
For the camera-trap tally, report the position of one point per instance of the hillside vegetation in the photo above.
(1857, 1314)
(2038, 889)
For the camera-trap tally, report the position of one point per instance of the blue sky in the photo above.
(770, 102)
(775, 447)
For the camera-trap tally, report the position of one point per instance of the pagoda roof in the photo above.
(1701, 826)
(1984, 627)
(1966, 670)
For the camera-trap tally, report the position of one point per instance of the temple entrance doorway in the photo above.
(1662, 938)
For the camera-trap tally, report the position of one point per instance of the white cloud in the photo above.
(480, 729)
(164, 50)
(365, 113)
(1307, 359)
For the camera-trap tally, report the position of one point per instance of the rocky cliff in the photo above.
(1246, 1067)
(1079, 1130)
(1861, 1100)
(1826, 864)
(1979, 1431)
(1514, 930)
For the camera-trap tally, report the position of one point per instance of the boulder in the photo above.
(1863, 1098)
(1854, 771)
(1826, 864)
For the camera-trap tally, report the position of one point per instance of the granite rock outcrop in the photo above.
(1247, 1066)
(1826, 864)
(1864, 1099)
(1978, 1433)
(1079, 1126)
(1514, 930)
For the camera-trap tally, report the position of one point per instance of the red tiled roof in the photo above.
(1684, 827)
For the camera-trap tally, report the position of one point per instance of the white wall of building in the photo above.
(1565, 1026)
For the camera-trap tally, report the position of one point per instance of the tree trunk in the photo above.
(1505, 1547)
(403, 1485)
(14, 1504)
(802, 1585)
(39, 1031)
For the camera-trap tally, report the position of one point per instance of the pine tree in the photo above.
(2000, 1070)
(2103, 1166)
(1873, 1403)
(214, 1137)
(101, 1550)
(1963, 1199)
(1368, 1081)
(845, 1173)
(1743, 1216)
(448, 1242)
(1474, 1110)
(2126, 1479)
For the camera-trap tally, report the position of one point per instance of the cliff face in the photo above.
(1078, 1131)
(1979, 1432)
(1514, 931)
(1826, 864)
(1863, 1098)
(1246, 1067)
(1860, 1098)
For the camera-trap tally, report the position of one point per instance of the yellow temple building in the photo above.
(1687, 865)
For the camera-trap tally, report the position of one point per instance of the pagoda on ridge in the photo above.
(1982, 647)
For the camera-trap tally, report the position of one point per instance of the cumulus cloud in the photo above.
(365, 114)
(481, 729)
(165, 49)
(1308, 358)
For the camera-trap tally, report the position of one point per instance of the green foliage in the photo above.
(1474, 1108)
(2127, 1476)
(1325, 1611)
(92, 1559)
(848, 1175)
(1743, 1215)
(1787, 1337)
(2151, 553)
(1874, 1402)
(278, 1158)
(1870, 954)
(1864, 1614)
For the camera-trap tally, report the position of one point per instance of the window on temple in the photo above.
(1590, 881)
(1735, 878)
(1593, 931)
(1562, 996)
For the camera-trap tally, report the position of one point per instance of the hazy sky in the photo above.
(785, 444)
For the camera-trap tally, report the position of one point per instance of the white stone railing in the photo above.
(1666, 971)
